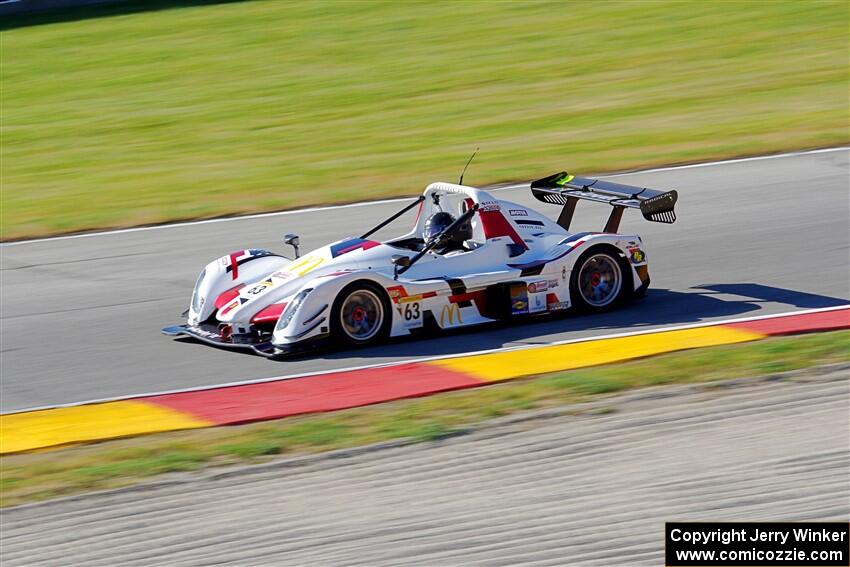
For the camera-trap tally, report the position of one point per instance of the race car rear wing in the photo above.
(564, 189)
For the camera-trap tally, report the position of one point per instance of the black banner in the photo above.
(757, 544)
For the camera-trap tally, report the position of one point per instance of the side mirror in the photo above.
(293, 240)
(399, 261)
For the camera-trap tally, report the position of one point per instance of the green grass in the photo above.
(262, 105)
(30, 477)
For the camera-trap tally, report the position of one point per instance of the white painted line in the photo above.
(728, 161)
(207, 221)
(438, 357)
(395, 200)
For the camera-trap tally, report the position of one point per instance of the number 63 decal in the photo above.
(411, 311)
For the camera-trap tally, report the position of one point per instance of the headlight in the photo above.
(290, 310)
(197, 300)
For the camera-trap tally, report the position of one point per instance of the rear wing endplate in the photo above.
(565, 189)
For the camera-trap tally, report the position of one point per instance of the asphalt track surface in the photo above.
(81, 316)
(587, 489)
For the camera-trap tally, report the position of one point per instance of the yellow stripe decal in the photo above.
(304, 265)
(60, 426)
(526, 362)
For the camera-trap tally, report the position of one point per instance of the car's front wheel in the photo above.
(361, 314)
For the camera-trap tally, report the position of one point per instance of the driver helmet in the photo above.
(437, 223)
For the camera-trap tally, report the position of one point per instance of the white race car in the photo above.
(470, 259)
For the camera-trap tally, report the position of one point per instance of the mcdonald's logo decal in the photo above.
(450, 311)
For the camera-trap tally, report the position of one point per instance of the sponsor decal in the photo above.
(495, 224)
(449, 312)
(529, 222)
(396, 292)
(411, 313)
(489, 206)
(204, 333)
(536, 302)
(336, 274)
(352, 244)
(518, 212)
(519, 299)
(566, 178)
(409, 307)
(637, 255)
(233, 261)
(227, 296)
(541, 285)
(304, 265)
(260, 287)
(417, 297)
(230, 306)
(563, 180)
(558, 306)
(234, 265)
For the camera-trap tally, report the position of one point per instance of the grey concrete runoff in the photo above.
(80, 318)
(587, 489)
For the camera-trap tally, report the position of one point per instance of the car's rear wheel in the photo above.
(598, 282)
(361, 314)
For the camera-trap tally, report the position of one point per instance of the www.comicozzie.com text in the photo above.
(744, 534)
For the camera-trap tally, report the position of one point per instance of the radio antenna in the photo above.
(460, 182)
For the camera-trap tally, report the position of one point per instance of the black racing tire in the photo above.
(601, 280)
(361, 314)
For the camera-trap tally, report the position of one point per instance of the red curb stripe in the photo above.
(805, 323)
(312, 394)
